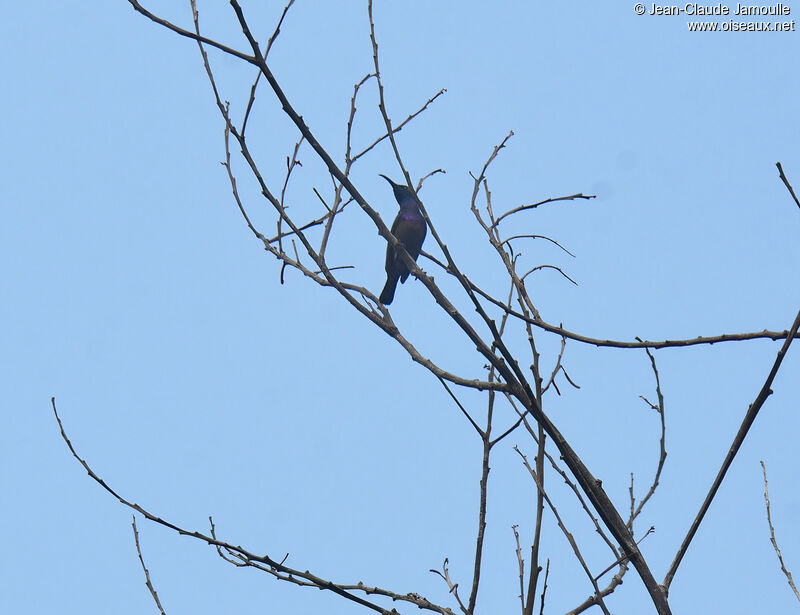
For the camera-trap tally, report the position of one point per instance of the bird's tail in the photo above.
(387, 294)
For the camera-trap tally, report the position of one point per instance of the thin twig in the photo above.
(662, 457)
(544, 587)
(556, 199)
(531, 236)
(452, 587)
(521, 566)
(557, 368)
(461, 407)
(291, 163)
(147, 581)
(271, 40)
(399, 127)
(786, 183)
(539, 267)
(624, 559)
(426, 176)
(772, 535)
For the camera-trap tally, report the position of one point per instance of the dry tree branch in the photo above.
(540, 439)
(772, 536)
(786, 183)
(592, 600)
(482, 506)
(558, 367)
(507, 257)
(559, 330)
(622, 560)
(556, 199)
(655, 344)
(262, 562)
(615, 581)
(452, 587)
(567, 534)
(505, 365)
(291, 163)
(351, 119)
(271, 40)
(147, 581)
(521, 565)
(426, 176)
(533, 236)
(412, 598)
(536, 568)
(383, 230)
(540, 267)
(744, 428)
(487, 444)
(461, 407)
(537, 321)
(510, 372)
(188, 34)
(382, 320)
(544, 587)
(662, 458)
(327, 279)
(280, 207)
(348, 165)
(576, 491)
(399, 127)
(304, 227)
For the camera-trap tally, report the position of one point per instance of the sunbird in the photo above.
(409, 227)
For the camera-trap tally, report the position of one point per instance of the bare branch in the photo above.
(609, 343)
(557, 368)
(772, 536)
(461, 407)
(426, 176)
(399, 127)
(539, 267)
(452, 587)
(567, 534)
(509, 371)
(556, 199)
(271, 40)
(192, 35)
(278, 569)
(747, 423)
(544, 587)
(327, 279)
(662, 458)
(147, 581)
(786, 183)
(530, 236)
(521, 565)
(624, 559)
(576, 491)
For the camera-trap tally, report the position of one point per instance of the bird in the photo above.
(409, 227)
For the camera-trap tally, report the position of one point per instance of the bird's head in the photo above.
(403, 195)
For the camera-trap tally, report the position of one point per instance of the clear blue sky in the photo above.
(197, 385)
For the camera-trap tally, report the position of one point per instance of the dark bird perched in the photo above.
(409, 228)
